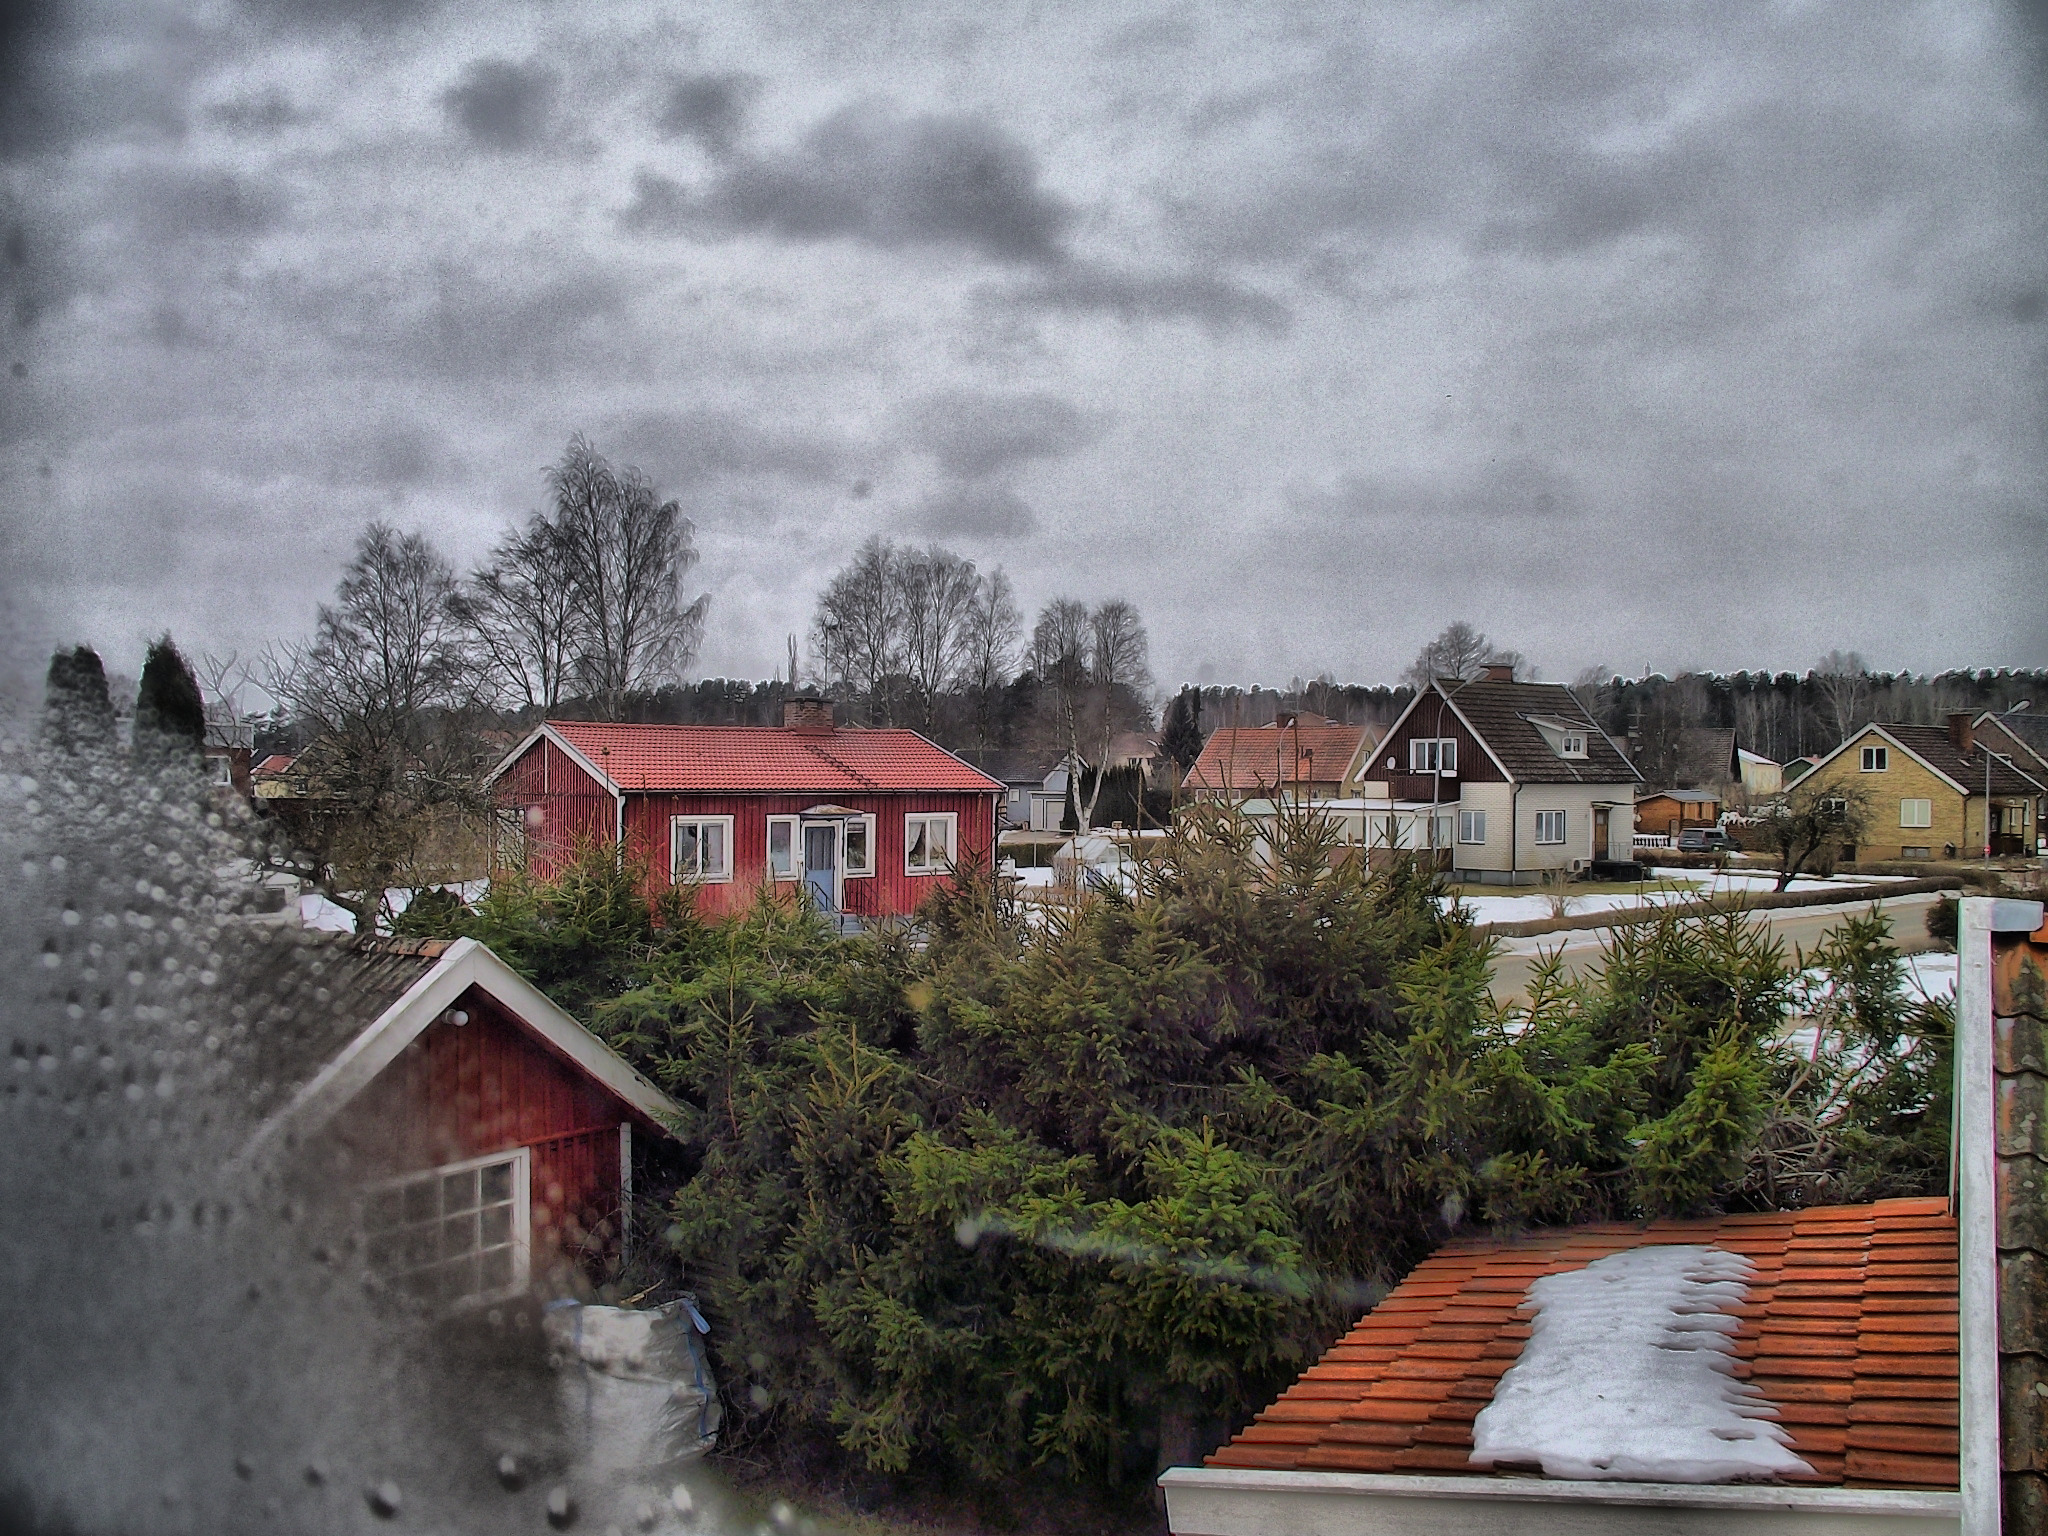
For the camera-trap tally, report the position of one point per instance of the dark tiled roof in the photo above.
(1848, 1330)
(322, 991)
(1013, 765)
(1933, 745)
(2029, 731)
(1499, 714)
(1706, 756)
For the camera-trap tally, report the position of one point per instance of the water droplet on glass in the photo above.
(679, 1496)
(782, 1514)
(316, 1472)
(244, 1468)
(561, 1508)
(510, 1474)
(645, 1516)
(758, 1395)
(383, 1499)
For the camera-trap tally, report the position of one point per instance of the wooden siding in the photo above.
(889, 892)
(464, 1091)
(1474, 766)
(565, 807)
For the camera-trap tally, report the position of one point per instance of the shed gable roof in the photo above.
(1263, 757)
(763, 759)
(1849, 1329)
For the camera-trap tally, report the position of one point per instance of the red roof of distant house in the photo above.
(277, 762)
(1848, 1329)
(770, 760)
(1246, 760)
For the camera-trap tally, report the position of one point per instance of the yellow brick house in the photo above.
(1925, 787)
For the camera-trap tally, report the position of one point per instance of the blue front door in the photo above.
(821, 863)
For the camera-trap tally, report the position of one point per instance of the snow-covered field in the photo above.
(1681, 885)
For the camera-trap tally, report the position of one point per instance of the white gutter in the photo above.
(1234, 1501)
(1974, 1199)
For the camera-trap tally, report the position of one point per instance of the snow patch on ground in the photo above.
(1628, 1375)
(1522, 909)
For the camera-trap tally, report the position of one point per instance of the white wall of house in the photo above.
(1524, 859)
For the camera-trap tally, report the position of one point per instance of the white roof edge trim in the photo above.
(1533, 1490)
(546, 732)
(464, 964)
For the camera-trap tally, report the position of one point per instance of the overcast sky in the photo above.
(1650, 335)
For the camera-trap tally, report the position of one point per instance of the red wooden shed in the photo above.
(867, 821)
(480, 1139)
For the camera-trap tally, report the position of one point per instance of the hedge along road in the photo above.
(1796, 927)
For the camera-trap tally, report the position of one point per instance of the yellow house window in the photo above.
(1916, 813)
(1876, 759)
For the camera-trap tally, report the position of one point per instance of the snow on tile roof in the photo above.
(1848, 1331)
(767, 759)
(1626, 1376)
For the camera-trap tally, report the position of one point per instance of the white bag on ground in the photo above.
(636, 1389)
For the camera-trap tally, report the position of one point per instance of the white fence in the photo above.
(1652, 840)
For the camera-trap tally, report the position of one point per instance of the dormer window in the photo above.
(1573, 745)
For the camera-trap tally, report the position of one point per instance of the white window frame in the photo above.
(1925, 816)
(1562, 825)
(1433, 754)
(846, 869)
(1877, 759)
(1472, 826)
(794, 826)
(521, 1160)
(675, 827)
(951, 819)
(1574, 744)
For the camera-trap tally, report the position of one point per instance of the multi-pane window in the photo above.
(700, 848)
(453, 1234)
(782, 848)
(1574, 745)
(1876, 759)
(1433, 754)
(1471, 826)
(1916, 813)
(859, 858)
(1550, 826)
(928, 844)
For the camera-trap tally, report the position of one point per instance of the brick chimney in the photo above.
(1959, 730)
(807, 713)
(1499, 672)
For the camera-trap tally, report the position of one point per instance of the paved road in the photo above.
(1803, 927)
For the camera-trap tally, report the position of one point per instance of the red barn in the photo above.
(867, 821)
(480, 1141)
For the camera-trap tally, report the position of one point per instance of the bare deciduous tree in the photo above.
(523, 613)
(627, 552)
(1459, 651)
(375, 689)
(937, 590)
(1844, 682)
(994, 627)
(856, 634)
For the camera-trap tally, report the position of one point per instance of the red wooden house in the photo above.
(480, 1141)
(866, 821)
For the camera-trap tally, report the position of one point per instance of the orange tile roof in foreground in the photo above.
(1849, 1329)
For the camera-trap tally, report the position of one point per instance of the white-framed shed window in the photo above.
(1916, 813)
(1550, 826)
(857, 854)
(784, 847)
(928, 843)
(1471, 826)
(456, 1235)
(699, 849)
(1433, 754)
(1876, 759)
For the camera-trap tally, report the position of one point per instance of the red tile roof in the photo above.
(1246, 760)
(767, 759)
(1848, 1329)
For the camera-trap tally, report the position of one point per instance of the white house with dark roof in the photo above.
(1513, 779)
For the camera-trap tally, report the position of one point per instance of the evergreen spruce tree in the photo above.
(170, 714)
(78, 712)
(1182, 738)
